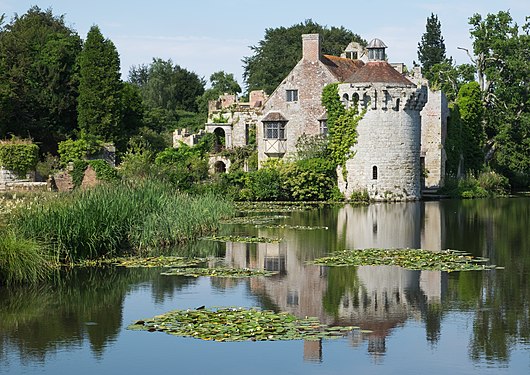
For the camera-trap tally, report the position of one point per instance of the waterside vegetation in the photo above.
(107, 221)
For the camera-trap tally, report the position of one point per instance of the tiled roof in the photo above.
(274, 117)
(378, 72)
(341, 67)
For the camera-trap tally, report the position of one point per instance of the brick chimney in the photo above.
(311, 47)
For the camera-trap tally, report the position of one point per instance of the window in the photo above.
(292, 95)
(351, 55)
(275, 130)
(374, 173)
(323, 127)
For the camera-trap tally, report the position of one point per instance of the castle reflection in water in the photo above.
(378, 299)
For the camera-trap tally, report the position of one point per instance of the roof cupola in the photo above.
(376, 50)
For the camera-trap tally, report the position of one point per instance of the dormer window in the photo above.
(291, 95)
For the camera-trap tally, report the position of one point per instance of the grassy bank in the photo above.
(113, 220)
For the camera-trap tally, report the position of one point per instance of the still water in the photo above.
(421, 322)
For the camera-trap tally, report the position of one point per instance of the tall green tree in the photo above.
(501, 52)
(469, 102)
(280, 50)
(431, 49)
(38, 78)
(100, 88)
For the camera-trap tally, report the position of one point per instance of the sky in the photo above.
(205, 36)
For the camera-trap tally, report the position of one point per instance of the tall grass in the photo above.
(110, 220)
(22, 260)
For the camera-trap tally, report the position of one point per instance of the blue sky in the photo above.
(210, 35)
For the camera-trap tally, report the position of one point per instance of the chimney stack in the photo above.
(311, 47)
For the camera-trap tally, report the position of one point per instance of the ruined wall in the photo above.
(433, 134)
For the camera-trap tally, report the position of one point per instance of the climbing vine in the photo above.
(342, 126)
(18, 156)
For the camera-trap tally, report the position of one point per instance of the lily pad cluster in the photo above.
(239, 324)
(287, 226)
(218, 272)
(253, 220)
(413, 259)
(149, 262)
(246, 239)
(256, 207)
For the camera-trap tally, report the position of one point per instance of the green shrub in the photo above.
(266, 185)
(22, 260)
(70, 150)
(311, 180)
(19, 156)
(487, 184)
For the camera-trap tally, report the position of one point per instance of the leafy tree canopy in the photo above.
(38, 80)
(167, 86)
(281, 49)
(502, 59)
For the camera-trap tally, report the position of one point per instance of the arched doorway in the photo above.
(220, 140)
(219, 167)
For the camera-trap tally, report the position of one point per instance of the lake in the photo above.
(474, 322)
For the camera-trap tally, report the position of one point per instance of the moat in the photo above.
(413, 321)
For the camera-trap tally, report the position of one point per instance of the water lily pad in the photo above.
(238, 324)
(218, 272)
(414, 259)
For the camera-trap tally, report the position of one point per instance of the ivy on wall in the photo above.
(342, 125)
(19, 156)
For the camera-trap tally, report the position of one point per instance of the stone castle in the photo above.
(400, 146)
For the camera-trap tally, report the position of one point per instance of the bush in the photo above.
(311, 180)
(487, 184)
(71, 151)
(19, 156)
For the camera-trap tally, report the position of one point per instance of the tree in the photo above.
(471, 110)
(449, 78)
(222, 83)
(431, 49)
(38, 78)
(100, 88)
(281, 49)
(501, 56)
(167, 86)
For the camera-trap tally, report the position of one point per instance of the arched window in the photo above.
(396, 108)
(346, 101)
(374, 173)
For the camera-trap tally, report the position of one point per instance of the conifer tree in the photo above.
(431, 49)
(100, 86)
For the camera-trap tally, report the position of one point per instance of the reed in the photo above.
(22, 261)
(111, 220)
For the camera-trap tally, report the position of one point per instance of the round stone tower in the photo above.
(386, 162)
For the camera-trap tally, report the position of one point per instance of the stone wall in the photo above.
(388, 140)
(433, 134)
